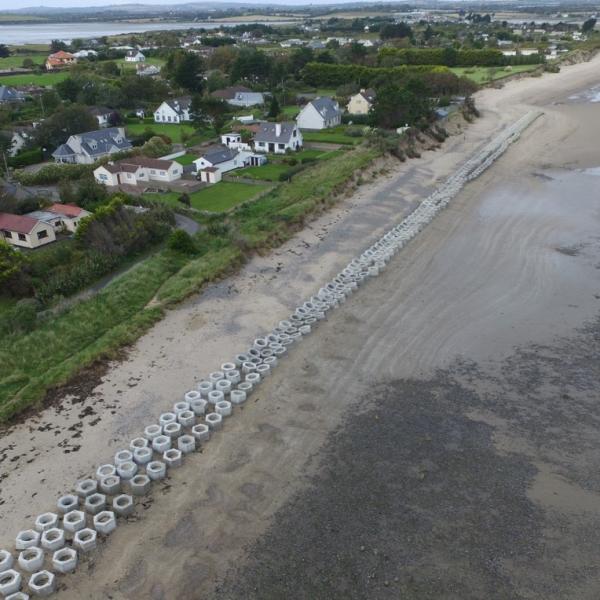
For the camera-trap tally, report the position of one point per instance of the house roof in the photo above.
(230, 92)
(249, 97)
(133, 53)
(267, 132)
(17, 223)
(180, 104)
(43, 215)
(99, 111)
(326, 107)
(96, 143)
(219, 154)
(66, 210)
(9, 94)
(368, 94)
(61, 55)
(64, 150)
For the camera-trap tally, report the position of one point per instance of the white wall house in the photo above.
(21, 136)
(138, 170)
(278, 138)
(70, 214)
(233, 139)
(24, 231)
(320, 113)
(220, 159)
(247, 99)
(361, 103)
(176, 110)
(134, 56)
(102, 114)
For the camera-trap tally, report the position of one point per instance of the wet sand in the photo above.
(510, 269)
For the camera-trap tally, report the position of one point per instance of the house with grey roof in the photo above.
(175, 110)
(247, 99)
(86, 148)
(9, 94)
(217, 160)
(320, 113)
(278, 137)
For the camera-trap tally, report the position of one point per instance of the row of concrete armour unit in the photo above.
(212, 400)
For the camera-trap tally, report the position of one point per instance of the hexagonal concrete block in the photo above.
(95, 503)
(173, 430)
(186, 418)
(46, 521)
(32, 559)
(27, 539)
(201, 432)
(214, 421)
(86, 487)
(111, 485)
(142, 456)
(64, 560)
(6, 560)
(173, 458)
(167, 418)
(127, 470)
(10, 582)
(198, 407)
(161, 443)
(140, 485)
(85, 539)
(18, 596)
(123, 456)
(105, 471)
(74, 521)
(181, 406)
(105, 522)
(42, 583)
(223, 408)
(186, 443)
(139, 442)
(67, 503)
(152, 431)
(156, 470)
(238, 396)
(123, 505)
(53, 539)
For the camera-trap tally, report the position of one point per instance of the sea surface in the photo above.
(43, 33)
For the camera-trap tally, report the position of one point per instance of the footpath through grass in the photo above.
(61, 345)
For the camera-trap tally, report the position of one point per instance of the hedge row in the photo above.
(328, 75)
(25, 158)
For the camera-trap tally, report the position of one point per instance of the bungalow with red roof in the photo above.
(60, 60)
(25, 231)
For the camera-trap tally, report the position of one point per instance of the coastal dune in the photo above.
(512, 262)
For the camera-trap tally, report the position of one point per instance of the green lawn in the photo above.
(290, 111)
(152, 60)
(482, 75)
(335, 135)
(172, 130)
(215, 198)
(44, 79)
(16, 60)
(186, 159)
(268, 172)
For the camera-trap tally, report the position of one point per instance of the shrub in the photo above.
(181, 241)
(25, 158)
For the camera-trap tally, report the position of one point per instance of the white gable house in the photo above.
(320, 113)
(137, 171)
(278, 138)
(134, 56)
(176, 110)
(86, 148)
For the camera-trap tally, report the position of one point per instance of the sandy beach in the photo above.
(445, 372)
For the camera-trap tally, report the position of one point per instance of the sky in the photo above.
(15, 4)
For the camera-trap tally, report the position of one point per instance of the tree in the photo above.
(395, 30)
(399, 104)
(251, 64)
(65, 122)
(28, 63)
(57, 46)
(181, 241)
(11, 263)
(49, 101)
(208, 111)
(185, 199)
(69, 88)
(4, 51)
(156, 147)
(185, 70)
(274, 108)
(588, 25)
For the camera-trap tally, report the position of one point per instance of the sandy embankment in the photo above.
(187, 533)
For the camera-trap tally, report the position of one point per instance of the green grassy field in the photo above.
(16, 60)
(482, 75)
(335, 135)
(220, 197)
(268, 172)
(172, 130)
(290, 112)
(43, 79)
(186, 159)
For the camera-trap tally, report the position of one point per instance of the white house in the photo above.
(138, 170)
(20, 137)
(233, 139)
(85, 54)
(134, 56)
(103, 115)
(144, 70)
(361, 103)
(226, 159)
(278, 137)
(86, 148)
(320, 113)
(176, 110)
(24, 231)
(70, 214)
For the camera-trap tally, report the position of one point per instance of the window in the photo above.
(168, 118)
(281, 146)
(22, 237)
(42, 234)
(7, 235)
(152, 171)
(163, 173)
(103, 176)
(129, 175)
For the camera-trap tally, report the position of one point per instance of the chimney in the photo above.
(278, 129)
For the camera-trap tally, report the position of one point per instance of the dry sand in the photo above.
(511, 262)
